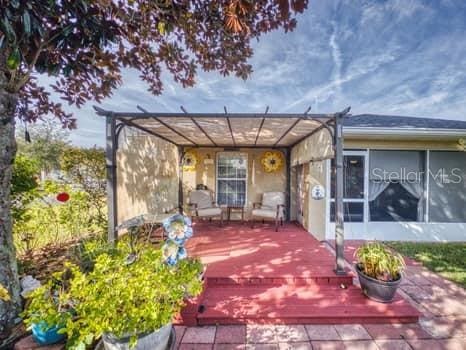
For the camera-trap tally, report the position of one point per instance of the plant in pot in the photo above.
(130, 302)
(48, 309)
(379, 270)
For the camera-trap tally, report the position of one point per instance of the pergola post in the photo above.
(288, 184)
(180, 179)
(110, 158)
(339, 210)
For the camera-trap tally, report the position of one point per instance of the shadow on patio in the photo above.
(262, 276)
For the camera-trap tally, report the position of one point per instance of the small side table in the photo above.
(231, 208)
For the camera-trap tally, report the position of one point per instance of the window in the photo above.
(353, 187)
(353, 211)
(232, 171)
(447, 186)
(396, 186)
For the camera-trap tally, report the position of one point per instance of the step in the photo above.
(280, 280)
(288, 304)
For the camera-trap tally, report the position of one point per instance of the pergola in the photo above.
(229, 131)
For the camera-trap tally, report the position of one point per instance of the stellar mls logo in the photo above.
(441, 176)
(447, 177)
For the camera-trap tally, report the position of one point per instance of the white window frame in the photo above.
(365, 154)
(246, 179)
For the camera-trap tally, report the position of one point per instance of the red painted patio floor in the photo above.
(262, 276)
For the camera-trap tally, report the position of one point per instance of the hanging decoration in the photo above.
(178, 229)
(190, 160)
(63, 197)
(272, 161)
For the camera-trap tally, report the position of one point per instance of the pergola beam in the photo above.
(153, 133)
(259, 130)
(139, 115)
(229, 126)
(169, 127)
(261, 125)
(198, 125)
(287, 131)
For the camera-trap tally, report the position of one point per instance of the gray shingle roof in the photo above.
(393, 121)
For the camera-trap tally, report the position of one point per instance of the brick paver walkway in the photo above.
(443, 325)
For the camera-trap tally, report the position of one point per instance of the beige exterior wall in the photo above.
(317, 208)
(317, 146)
(259, 181)
(312, 153)
(393, 143)
(147, 176)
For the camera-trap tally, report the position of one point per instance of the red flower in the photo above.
(63, 197)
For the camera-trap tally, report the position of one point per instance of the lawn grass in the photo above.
(446, 259)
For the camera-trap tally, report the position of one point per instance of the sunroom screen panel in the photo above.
(447, 186)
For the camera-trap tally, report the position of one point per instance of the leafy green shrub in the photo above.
(50, 222)
(23, 185)
(128, 299)
(50, 304)
(88, 249)
(377, 261)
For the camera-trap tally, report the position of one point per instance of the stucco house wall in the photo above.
(259, 181)
(147, 176)
(317, 208)
(400, 144)
(311, 153)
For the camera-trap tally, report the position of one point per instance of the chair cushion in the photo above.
(209, 212)
(203, 198)
(270, 200)
(264, 213)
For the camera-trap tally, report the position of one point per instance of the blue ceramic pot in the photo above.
(46, 335)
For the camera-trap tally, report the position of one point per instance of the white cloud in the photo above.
(401, 57)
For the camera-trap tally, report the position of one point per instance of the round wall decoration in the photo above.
(272, 161)
(318, 192)
(190, 160)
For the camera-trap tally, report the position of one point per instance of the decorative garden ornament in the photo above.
(178, 229)
(170, 251)
(272, 161)
(63, 197)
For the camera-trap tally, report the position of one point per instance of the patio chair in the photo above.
(202, 205)
(271, 207)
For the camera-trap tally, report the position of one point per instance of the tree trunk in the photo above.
(8, 266)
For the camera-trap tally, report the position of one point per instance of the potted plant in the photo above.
(49, 310)
(130, 303)
(379, 270)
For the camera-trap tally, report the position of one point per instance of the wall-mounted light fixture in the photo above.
(208, 160)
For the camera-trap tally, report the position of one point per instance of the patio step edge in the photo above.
(277, 281)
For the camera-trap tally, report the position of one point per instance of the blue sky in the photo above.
(401, 57)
